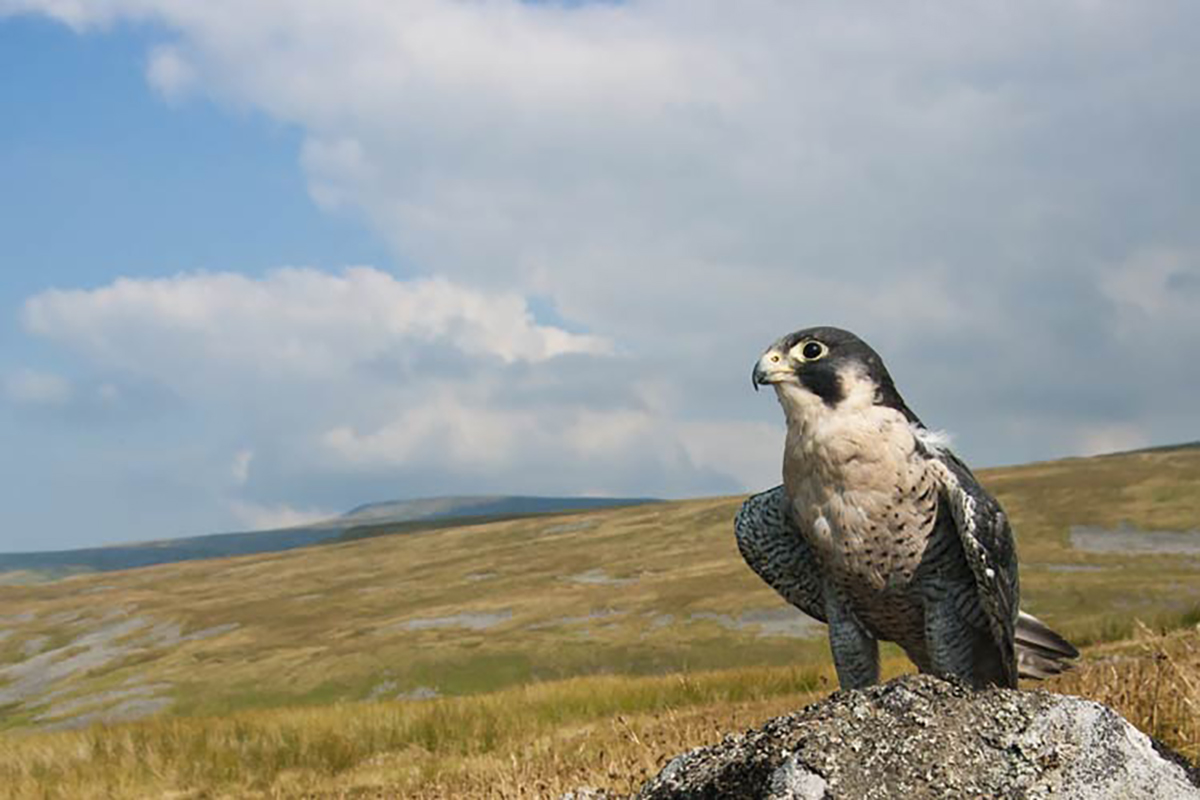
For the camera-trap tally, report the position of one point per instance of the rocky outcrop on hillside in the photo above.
(922, 737)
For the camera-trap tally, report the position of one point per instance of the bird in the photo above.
(880, 531)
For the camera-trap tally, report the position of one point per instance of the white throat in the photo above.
(807, 414)
(833, 444)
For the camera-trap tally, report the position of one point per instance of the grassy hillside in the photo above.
(404, 515)
(645, 590)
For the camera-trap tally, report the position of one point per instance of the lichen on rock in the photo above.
(922, 737)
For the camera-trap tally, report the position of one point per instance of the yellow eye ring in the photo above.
(810, 350)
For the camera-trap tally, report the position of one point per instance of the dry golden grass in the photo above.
(531, 742)
(527, 741)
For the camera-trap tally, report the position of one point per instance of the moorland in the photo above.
(527, 656)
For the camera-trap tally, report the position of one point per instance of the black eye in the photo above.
(812, 351)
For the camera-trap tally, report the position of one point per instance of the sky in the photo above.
(263, 261)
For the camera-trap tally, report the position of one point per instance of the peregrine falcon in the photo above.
(881, 532)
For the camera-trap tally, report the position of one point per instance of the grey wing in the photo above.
(987, 542)
(776, 550)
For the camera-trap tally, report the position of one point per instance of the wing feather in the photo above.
(776, 550)
(987, 541)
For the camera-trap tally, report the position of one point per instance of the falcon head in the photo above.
(825, 369)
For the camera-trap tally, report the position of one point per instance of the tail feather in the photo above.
(1038, 667)
(1040, 651)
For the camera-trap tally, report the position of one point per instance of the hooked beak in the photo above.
(771, 368)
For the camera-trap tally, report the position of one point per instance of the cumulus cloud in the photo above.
(568, 449)
(361, 374)
(700, 176)
(295, 321)
(449, 433)
(443, 432)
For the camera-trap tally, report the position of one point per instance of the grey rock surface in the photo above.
(922, 737)
(588, 793)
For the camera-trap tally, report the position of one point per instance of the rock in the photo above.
(588, 793)
(923, 737)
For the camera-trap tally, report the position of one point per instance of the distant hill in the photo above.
(478, 506)
(403, 516)
(1164, 448)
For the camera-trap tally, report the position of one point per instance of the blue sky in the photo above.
(261, 264)
(104, 179)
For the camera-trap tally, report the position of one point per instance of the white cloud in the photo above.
(441, 432)
(360, 373)
(268, 517)
(690, 158)
(240, 468)
(702, 176)
(294, 322)
(751, 451)
(1116, 438)
(448, 433)
(170, 72)
(1156, 289)
(605, 447)
(32, 387)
